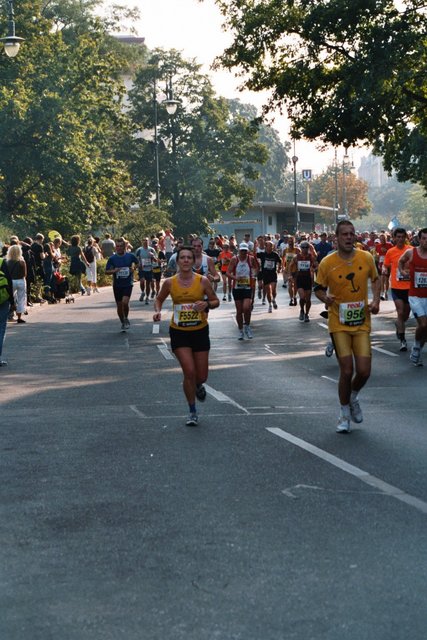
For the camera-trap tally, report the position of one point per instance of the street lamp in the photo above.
(296, 212)
(344, 183)
(11, 42)
(336, 185)
(171, 107)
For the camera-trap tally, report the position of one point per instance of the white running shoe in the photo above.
(356, 412)
(343, 425)
(248, 332)
(415, 356)
(403, 345)
(241, 335)
(193, 420)
(270, 309)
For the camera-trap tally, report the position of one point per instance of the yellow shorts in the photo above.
(348, 343)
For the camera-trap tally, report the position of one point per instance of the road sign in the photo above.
(306, 175)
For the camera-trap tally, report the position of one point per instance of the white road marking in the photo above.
(331, 379)
(163, 348)
(322, 324)
(387, 353)
(270, 350)
(365, 477)
(137, 411)
(221, 397)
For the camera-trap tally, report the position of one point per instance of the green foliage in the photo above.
(269, 183)
(141, 223)
(61, 126)
(346, 71)
(207, 153)
(414, 214)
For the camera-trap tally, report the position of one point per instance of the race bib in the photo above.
(269, 264)
(304, 265)
(420, 280)
(145, 262)
(243, 283)
(381, 260)
(123, 273)
(352, 314)
(185, 315)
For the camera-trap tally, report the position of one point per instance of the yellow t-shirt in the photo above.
(347, 280)
(184, 316)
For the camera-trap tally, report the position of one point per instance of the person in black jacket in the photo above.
(6, 300)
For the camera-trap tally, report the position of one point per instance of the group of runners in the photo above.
(339, 274)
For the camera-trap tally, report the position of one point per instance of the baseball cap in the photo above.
(243, 246)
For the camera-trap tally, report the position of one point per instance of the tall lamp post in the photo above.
(11, 42)
(344, 182)
(171, 107)
(336, 185)
(296, 212)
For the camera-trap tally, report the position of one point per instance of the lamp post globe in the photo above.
(11, 42)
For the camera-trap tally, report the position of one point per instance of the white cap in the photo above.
(243, 246)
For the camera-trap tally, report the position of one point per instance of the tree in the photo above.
(207, 153)
(272, 174)
(61, 126)
(346, 70)
(352, 194)
(414, 214)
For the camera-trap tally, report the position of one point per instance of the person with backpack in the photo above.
(6, 300)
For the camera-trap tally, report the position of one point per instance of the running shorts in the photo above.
(197, 340)
(304, 281)
(122, 292)
(145, 275)
(347, 343)
(400, 294)
(242, 294)
(418, 306)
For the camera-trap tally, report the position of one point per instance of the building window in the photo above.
(270, 221)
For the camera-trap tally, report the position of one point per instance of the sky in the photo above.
(194, 28)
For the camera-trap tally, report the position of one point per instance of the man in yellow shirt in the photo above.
(342, 284)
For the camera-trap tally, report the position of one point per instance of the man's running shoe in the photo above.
(343, 425)
(201, 392)
(291, 302)
(329, 350)
(356, 412)
(224, 298)
(229, 297)
(295, 302)
(123, 327)
(274, 304)
(301, 316)
(306, 318)
(248, 332)
(403, 345)
(193, 420)
(147, 301)
(415, 356)
(259, 294)
(263, 301)
(141, 297)
(241, 335)
(127, 324)
(270, 309)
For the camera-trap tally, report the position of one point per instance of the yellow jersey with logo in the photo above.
(184, 316)
(347, 280)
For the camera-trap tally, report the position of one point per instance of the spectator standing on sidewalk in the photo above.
(78, 264)
(18, 273)
(6, 299)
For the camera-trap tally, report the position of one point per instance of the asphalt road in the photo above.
(118, 522)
